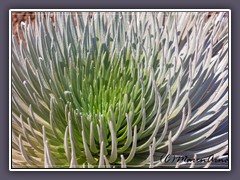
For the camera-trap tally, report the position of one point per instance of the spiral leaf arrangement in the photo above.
(120, 90)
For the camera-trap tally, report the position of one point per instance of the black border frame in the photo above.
(5, 5)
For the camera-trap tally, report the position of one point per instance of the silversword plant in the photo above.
(120, 90)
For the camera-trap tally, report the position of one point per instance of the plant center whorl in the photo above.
(107, 89)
